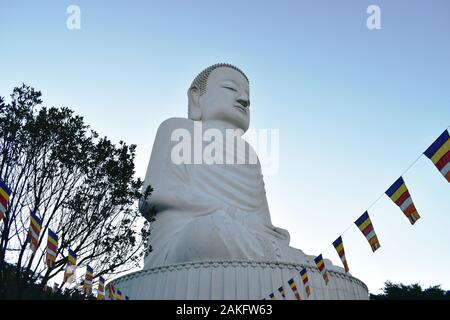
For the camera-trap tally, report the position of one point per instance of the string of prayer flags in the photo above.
(321, 266)
(101, 289)
(5, 192)
(399, 194)
(34, 231)
(339, 246)
(71, 266)
(439, 154)
(272, 296)
(88, 280)
(293, 287)
(281, 291)
(304, 276)
(119, 295)
(52, 247)
(365, 225)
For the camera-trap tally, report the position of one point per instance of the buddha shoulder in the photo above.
(168, 127)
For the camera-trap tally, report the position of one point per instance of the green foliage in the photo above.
(414, 291)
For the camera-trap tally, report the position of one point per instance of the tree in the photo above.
(414, 291)
(80, 185)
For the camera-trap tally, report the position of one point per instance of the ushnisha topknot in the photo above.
(201, 79)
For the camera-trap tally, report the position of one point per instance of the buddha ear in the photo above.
(194, 110)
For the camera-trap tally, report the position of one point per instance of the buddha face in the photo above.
(226, 99)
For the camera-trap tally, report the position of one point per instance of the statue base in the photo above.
(236, 280)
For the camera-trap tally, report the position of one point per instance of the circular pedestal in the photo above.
(230, 280)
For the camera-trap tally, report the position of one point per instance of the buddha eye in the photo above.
(230, 88)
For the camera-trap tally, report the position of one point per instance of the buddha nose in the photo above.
(243, 102)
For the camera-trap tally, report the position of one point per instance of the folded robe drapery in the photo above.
(209, 212)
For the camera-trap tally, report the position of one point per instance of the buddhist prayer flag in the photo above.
(339, 246)
(272, 296)
(35, 229)
(52, 247)
(365, 225)
(305, 280)
(127, 298)
(321, 266)
(119, 295)
(71, 266)
(101, 289)
(111, 292)
(88, 280)
(5, 192)
(281, 291)
(439, 153)
(399, 193)
(294, 288)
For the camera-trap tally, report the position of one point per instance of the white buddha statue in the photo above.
(206, 212)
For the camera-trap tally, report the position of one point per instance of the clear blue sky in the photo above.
(354, 107)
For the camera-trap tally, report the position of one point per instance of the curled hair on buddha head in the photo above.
(201, 79)
(200, 82)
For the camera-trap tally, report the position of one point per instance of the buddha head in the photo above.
(220, 93)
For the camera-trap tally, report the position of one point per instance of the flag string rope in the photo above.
(378, 199)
